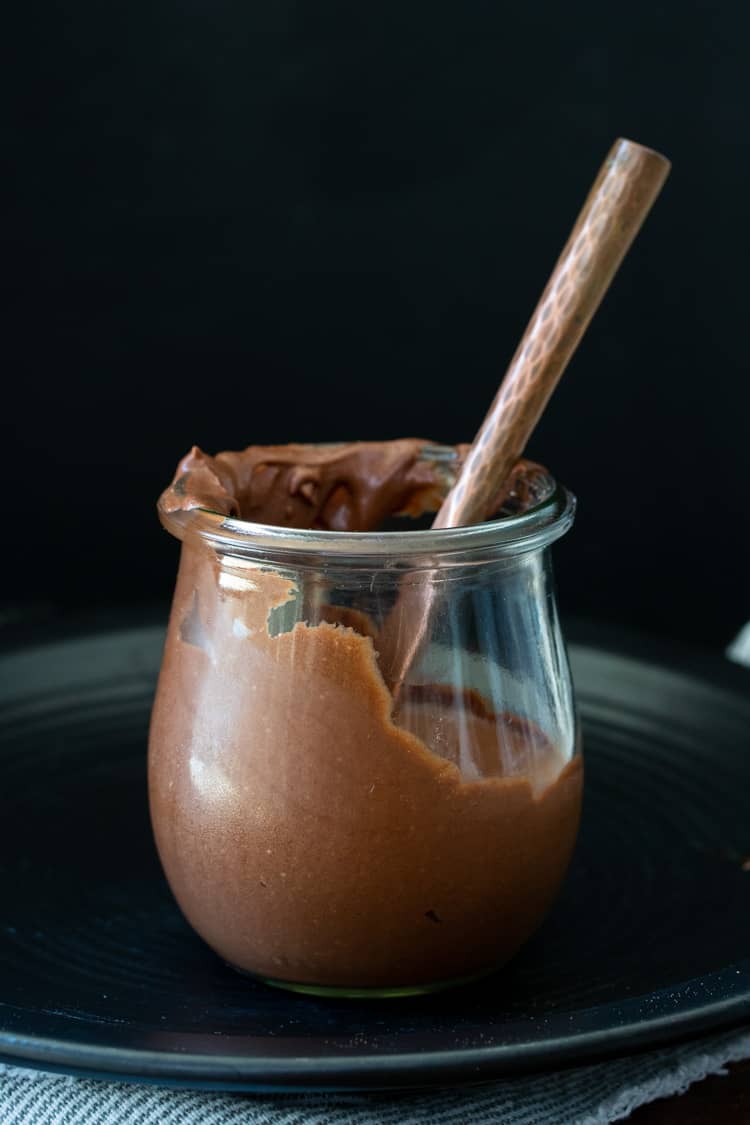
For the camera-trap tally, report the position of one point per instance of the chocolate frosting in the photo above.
(352, 486)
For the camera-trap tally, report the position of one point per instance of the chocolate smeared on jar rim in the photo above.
(347, 486)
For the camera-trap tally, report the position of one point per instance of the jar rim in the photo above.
(538, 527)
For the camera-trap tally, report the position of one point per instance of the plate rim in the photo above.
(394, 1068)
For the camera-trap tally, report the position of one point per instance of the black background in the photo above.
(236, 223)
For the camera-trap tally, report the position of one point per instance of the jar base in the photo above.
(348, 992)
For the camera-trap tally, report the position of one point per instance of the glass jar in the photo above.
(324, 832)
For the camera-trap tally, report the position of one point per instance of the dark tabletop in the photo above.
(717, 1099)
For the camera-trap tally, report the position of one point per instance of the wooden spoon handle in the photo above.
(622, 194)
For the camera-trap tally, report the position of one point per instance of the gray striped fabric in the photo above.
(590, 1095)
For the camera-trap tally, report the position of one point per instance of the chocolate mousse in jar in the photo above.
(324, 826)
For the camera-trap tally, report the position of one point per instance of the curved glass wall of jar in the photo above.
(363, 756)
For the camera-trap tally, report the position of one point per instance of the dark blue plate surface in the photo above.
(99, 974)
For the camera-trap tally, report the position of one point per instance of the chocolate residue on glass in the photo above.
(310, 831)
(352, 486)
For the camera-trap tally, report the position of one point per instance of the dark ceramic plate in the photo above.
(100, 975)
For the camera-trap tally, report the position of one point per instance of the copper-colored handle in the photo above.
(628, 183)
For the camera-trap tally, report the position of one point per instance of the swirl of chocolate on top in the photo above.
(348, 486)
